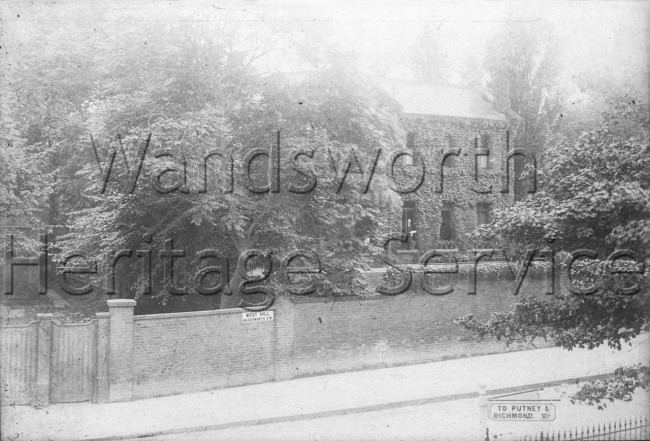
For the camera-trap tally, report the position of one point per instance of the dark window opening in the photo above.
(483, 213)
(484, 160)
(485, 141)
(449, 144)
(447, 222)
(410, 140)
(408, 223)
(410, 145)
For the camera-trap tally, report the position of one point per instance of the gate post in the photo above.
(103, 358)
(121, 349)
(43, 356)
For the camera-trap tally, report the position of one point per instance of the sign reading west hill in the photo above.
(259, 316)
(521, 411)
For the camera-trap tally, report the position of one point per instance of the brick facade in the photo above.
(185, 352)
(194, 351)
(334, 335)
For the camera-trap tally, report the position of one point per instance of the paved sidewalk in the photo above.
(315, 397)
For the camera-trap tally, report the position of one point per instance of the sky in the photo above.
(609, 39)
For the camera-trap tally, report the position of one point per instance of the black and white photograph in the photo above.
(324, 220)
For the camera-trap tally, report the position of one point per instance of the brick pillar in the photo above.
(44, 348)
(121, 349)
(283, 354)
(103, 357)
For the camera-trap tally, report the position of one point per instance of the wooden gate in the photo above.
(73, 362)
(18, 363)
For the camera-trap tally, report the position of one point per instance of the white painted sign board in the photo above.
(258, 316)
(521, 411)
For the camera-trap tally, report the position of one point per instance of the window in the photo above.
(448, 144)
(447, 222)
(483, 213)
(408, 220)
(410, 140)
(410, 146)
(483, 161)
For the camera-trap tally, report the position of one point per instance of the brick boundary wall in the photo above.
(188, 352)
(335, 335)
(164, 354)
(195, 351)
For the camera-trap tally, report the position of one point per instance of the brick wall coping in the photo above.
(172, 315)
(17, 325)
(120, 303)
(71, 324)
(337, 299)
(466, 120)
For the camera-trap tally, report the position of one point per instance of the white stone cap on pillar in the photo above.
(120, 303)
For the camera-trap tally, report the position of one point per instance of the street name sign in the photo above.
(258, 316)
(521, 411)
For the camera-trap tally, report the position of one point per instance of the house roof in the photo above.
(442, 100)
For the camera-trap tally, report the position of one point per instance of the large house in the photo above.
(439, 119)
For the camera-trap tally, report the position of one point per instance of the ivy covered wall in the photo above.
(429, 138)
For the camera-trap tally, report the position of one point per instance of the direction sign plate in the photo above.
(521, 411)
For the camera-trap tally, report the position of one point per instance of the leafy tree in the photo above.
(190, 90)
(46, 99)
(595, 195)
(522, 62)
(429, 60)
(22, 193)
(618, 386)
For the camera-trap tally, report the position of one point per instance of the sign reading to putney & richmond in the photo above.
(521, 411)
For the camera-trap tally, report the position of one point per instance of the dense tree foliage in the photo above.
(122, 120)
(595, 196)
(522, 64)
